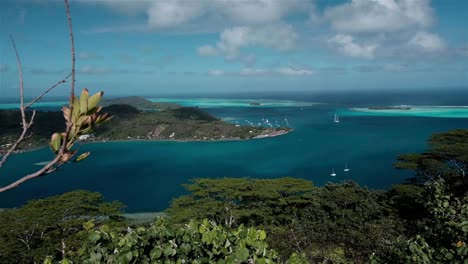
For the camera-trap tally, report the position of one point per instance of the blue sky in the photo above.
(190, 46)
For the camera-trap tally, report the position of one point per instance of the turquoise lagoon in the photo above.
(147, 175)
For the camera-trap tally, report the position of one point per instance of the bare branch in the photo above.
(42, 171)
(64, 80)
(72, 44)
(21, 86)
(72, 85)
(25, 124)
(57, 161)
(19, 140)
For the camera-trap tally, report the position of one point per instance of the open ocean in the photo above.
(147, 175)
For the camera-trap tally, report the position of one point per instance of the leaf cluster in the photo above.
(195, 242)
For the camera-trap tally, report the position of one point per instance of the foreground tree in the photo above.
(338, 222)
(236, 201)
(444, 238)
(446, 158)
(50, 226)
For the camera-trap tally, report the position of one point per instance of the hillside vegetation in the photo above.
(135, 118)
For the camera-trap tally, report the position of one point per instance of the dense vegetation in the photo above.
(140, 103)
(245, 220)
(134, 118)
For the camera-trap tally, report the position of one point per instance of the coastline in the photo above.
(283, 132)
(97, 140)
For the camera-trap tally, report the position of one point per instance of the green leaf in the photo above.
(76, 109)
(156, 253)
(94, 100)
(262, 235)
(464, 226)
(82, 156)
(65, 261)
(94, 237)
(242, 254)
(84, 101)
(462, 251)
(55, 142)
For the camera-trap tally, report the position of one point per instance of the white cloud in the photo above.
(258, 11)
(428, 42)
(294, 71)
(167, 13)
(278, 36)
(347, 46)
(377, 16)
(216, 72)
(207, 50)
(4, 68)
(173, 13)
(252, 72)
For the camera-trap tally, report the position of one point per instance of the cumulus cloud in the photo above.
(377, 16)
(166, 13)
(427, 42)
(260, 11)
(207, 50)
(347, 45)
(172, 13)
(278, 36)
(294, 71)
(216, 72)
(252, 72)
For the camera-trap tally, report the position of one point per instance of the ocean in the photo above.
(146, 176)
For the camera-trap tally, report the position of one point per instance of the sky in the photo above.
(220, 46)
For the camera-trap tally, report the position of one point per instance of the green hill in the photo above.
(133, 123)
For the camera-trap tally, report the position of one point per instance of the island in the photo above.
(398, 107)
(135, 118)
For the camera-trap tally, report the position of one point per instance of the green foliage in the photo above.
(140, 103)
(445, 236)
(83, 118)
(407, 199)
(447, 158)
(334, 223)
(235, 201)
(31, 232)
(345, 222)
(192, 113)
(195, 242)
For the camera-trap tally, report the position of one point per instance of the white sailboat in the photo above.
(333, 174)
(346, 167)
(336, 119)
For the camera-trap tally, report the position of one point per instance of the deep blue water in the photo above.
(147, 175)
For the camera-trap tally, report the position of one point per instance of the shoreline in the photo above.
(283, 132)
(95, 141)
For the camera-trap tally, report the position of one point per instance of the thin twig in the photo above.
(25, 124)
(57, 160)
(40, 172)
(64, 80)
(21, 85)
(72, 85)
